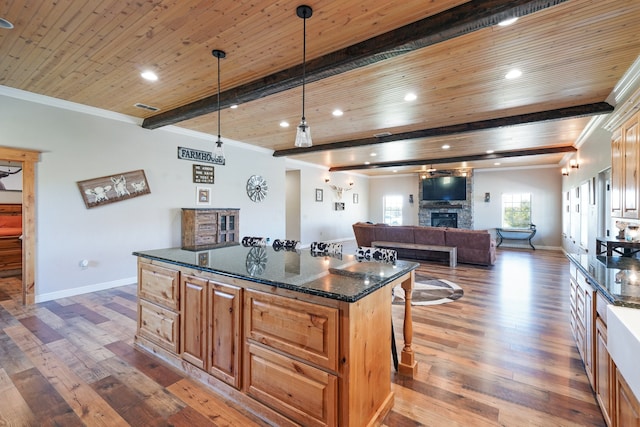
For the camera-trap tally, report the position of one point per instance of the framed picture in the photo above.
(355, 198)
(318, 194)
(10, 178)
(339, 206)
(203, 195)
(203, 259)
(113, 188)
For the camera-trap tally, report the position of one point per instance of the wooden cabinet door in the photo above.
(589, 328)
(631, 146)
(627, 406)
(224, 337)
(604, 369)
(617, 173)
(193, 305)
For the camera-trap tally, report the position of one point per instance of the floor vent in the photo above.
(146, 107)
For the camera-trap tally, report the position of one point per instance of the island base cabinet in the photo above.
(301, 392)
(627, 406)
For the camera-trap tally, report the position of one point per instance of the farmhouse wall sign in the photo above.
(113, 188)
(199, 156)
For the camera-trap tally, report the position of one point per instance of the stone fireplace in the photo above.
(442, 213)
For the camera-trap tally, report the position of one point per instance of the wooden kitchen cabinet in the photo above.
(605, 371)
(158, 305)
(211, 326)
(625, 168)
(193, 346)
(292, 382)
(205, 227)
(225, 332)
(582, 309)
(627, 412)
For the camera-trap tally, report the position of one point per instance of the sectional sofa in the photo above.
(473, 246)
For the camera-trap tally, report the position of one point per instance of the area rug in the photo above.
(429, 291)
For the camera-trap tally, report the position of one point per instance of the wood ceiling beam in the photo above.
(520, 119)
(455, 22)
(473, 157)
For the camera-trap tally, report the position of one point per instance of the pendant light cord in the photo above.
(304, 60)
(219, 100)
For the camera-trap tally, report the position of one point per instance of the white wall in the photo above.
(77, 146)
(392, 185)
(545, 186)
(319, 220)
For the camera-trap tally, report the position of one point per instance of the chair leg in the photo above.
(394, 350)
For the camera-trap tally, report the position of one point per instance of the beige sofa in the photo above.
(473, 246)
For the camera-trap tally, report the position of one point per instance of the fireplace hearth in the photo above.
(444, 219)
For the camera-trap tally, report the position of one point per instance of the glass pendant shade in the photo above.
(218, 152)
(303, 135)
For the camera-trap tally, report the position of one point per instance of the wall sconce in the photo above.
(410, 198)
(565, 172)
(574, 164)
(487, 197)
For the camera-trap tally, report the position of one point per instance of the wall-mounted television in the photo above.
(444, 188)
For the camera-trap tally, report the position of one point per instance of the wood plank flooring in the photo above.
(502, 355)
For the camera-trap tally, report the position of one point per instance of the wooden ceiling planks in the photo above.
(91, 52)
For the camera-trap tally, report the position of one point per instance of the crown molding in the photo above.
(626, 96)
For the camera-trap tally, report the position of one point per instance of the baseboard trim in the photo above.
(84, 289)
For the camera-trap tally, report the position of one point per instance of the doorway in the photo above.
(28, 158)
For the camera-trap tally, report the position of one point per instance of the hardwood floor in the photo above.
(502, 355)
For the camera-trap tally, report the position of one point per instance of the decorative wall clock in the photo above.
(257, 188)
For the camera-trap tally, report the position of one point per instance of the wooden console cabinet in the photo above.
(205, 227)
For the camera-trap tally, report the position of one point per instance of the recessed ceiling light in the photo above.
(489, 151)
(149, 75)
(395, 171)
(513, 74)
(496, 164)
(5, 24)
(234, 106)
(367, 163)
(337, 112)
(373, 154)
(145, 106)
(446, 146)
(410, 96)
(284, 124)
(508, 21)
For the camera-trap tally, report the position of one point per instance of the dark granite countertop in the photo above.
(341, 278)
(617, 278)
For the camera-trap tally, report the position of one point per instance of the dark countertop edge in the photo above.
(605, 293)
(303, 290)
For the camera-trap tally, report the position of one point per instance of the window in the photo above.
(516, 210)
(392, 208)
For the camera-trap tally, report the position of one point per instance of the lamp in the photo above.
(218, 152)
(303, 134)
(565, 172)
(574, 164)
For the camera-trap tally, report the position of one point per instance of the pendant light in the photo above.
(218, 152)
(303, 134)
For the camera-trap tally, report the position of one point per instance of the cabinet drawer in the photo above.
(573, 270)
(206, 218)
(159, 325)
(300, 329)
(301, 392)
(601, 307)
(158, 284)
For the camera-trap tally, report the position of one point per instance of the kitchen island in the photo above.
(295, 338)
(604, 305)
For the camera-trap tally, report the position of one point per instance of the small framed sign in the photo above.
(318, 194)
(203, 174)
